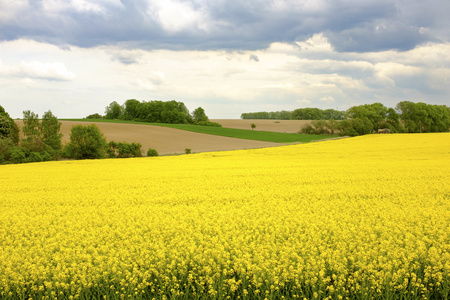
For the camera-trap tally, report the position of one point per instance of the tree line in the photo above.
(264, 115)
(155, 111)
(298, 114)
(42, 141)
(406, 117)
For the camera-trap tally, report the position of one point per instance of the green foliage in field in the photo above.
(41, 138)
(86, 142)
(8, 129)
(124, 150)
(152, 152)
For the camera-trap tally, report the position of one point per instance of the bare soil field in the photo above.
(286, 126)
(165, 140)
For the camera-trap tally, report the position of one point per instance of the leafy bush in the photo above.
(50, 131)
(94, 116)
(86, 142)
(34, 157)
(187, 150)
(33, 145)
(8, 128)
(124, 150)
(362, 125)
(308, 130)
(346, 128)
(152, 152)
(199, 115)
(17, 155)
(5, 146)
(320, 127)
(209, 123)
(46, 156)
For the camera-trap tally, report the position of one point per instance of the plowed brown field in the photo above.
(174, 141)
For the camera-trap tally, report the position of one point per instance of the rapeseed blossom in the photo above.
(365, 217)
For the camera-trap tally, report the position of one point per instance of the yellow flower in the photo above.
(351, 215)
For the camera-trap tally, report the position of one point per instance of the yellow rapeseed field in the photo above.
(358, 218)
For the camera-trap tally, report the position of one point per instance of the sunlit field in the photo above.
(357, 218)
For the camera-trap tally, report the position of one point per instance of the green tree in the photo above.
(362, 125)
(31, 126)
(393, 121)
(332, 114)
(113, 111)
(422, 117)
(175, 112)
(199, 115)
(131, 109)
(152, 152)
(253, 126)
(41, 136)
(307, 114)
(8, 128)
(408, 115)
(86, 142)
(346, 128)
(32, 132)
(5, 146)
(256, 115)
(284, 115)
(50, 131)
(374, 113)
(440, 115)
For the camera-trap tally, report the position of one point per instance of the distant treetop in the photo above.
(154, 111)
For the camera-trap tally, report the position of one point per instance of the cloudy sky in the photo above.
(74, 57)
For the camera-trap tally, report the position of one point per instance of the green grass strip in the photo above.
(266, 136)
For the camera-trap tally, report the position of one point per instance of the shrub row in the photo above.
(407, 117)
(42, 141)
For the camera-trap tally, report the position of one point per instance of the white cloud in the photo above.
(176, 15)
(28, 82)
(396, 69)
(303, 101)
(286, 86)
(152, 81)
(36, 69)
(439, 80)
(50, 71)
(328, 99)
(10, 9)
(60, 6)
(317, 43)
(8, 70)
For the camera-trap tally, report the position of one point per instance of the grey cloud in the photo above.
(254, 57)
(352, 25)
(378, 37)
(125, 57)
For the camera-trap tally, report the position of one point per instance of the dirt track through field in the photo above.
(164, 140)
